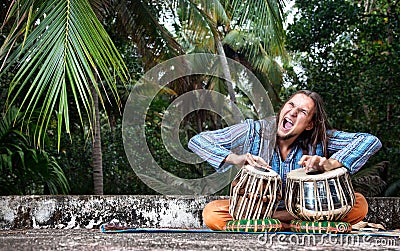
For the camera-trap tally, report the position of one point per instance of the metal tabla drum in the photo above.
(255, 193)
(326, 196)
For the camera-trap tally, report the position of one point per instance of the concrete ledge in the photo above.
(384, 210)
(89, 211)
(92, 211)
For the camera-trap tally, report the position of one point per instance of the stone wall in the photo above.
(141, 211)
(92, 211)
(384, 210)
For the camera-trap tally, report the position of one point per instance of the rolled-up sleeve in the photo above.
(352, 149)
(214, 146)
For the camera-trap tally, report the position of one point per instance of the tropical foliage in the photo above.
(59, 48)
(57, 56)
(25, 169)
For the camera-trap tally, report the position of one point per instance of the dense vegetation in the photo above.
(347, 51)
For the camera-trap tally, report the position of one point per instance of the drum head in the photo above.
(260, 171)
(300, 174)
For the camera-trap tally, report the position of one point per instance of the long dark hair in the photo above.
(318, 134)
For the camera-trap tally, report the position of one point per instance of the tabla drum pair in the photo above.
(255, 194)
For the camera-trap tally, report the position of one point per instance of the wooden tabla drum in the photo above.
(326, 196)
(255, 193)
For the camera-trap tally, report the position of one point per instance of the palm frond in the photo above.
(7, 122)
(213, 9)
(49, 172)
(23, 164)
(266, 68)
(263, 19)
(201, 20)
(141, 23)
(101, 7)
(67, 50)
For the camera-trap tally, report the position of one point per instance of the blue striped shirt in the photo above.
(351, 149)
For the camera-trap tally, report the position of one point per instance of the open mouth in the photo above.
(287, 124)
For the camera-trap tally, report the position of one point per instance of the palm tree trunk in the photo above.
(97, 163)
(227, 75)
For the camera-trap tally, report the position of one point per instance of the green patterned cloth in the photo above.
(261, 225)
(320, 227)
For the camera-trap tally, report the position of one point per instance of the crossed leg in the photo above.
(216, 213)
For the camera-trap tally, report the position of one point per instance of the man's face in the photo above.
(295, 117)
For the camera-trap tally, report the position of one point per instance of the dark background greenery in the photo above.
(347, 54)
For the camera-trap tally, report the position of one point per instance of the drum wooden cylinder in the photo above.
(255, 193)
(318, 197)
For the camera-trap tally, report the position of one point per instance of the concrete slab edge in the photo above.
(90, 211)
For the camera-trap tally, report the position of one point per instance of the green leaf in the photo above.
(67, 52)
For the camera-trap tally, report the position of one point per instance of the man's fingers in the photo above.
(304, 159)
(322, 161)
(315, 163)
(256, 161)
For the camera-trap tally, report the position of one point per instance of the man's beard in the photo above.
(286, 137)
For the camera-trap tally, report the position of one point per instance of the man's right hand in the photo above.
(246, 159)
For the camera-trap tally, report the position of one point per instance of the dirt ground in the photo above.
(93, 239)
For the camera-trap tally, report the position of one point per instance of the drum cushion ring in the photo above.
(320, 227)
(260, 225)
